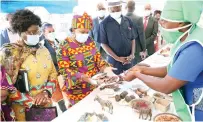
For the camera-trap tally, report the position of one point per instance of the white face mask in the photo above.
(101, 13)
(175, 29)
(81, 38)
(51, 36)
(32, 40)
(116, 15)
(147, 13)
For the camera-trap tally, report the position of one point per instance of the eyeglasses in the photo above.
(39, 32)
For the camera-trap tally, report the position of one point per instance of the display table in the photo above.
(121, 112)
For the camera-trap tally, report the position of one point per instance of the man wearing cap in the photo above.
(101, 12)
(117, 37)
(138, 25)
(181, 24)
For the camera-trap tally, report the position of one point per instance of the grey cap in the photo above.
(112, 3)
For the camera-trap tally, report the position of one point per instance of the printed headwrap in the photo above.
(82, 22)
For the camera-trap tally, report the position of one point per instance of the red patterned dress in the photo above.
(75, 59)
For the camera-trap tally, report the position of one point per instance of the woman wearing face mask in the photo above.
(26, 54)
(6, 87)
(79, 59)
(182, 25)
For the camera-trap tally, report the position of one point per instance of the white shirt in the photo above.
(119, 20)
(100, 20)
(13, 37)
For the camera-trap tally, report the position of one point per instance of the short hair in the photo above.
(23, 19)
(45, 25)
(131, 4)
(157, 12)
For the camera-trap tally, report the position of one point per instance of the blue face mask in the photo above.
(172, 35)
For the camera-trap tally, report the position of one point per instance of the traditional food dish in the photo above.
(167, 117)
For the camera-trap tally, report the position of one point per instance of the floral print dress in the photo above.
(42, 74)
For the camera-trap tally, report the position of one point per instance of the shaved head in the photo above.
(100, 6)
(147, 7)
(130, 6)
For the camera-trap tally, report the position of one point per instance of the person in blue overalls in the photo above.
(117, 37)
(181, 24)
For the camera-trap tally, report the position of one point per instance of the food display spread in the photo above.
(145, 103)
(139, 98)
(133, 98)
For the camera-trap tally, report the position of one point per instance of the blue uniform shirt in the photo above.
(188, 66)
(117, 36)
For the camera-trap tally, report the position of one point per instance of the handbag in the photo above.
(38, 113)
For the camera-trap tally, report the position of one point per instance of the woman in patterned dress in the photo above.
(79, 59)
(7, 87)
(27, 54)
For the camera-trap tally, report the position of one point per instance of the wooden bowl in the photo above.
(144, 104)
(167, 117)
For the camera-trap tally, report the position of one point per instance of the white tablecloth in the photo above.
(121, 113)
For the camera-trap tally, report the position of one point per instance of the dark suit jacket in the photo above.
(138, 26)
(94, 33)
(4, 37)
(151, 30)
(150, 34)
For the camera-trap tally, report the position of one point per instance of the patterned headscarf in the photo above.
(83, 22)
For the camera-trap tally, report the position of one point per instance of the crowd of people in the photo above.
(113, 44)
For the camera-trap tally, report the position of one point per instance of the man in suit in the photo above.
(7, 34)
(101, 12)
(138, 26)
(150, 28)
